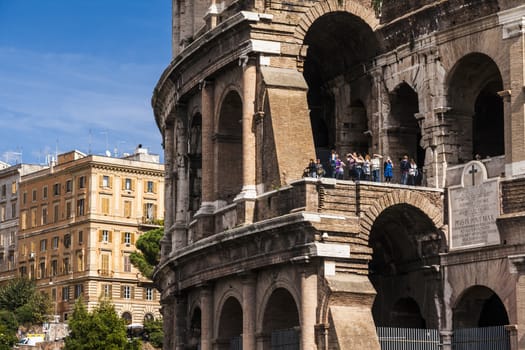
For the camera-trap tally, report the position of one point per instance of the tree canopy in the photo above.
(100, 329)
(148, 255)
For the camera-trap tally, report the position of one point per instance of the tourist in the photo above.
(366, 168)
(404, 167)
(375, 163)
(412, 172)
(388, 169)
(312, 169)
(339, 168)
(351, 160)
(320, 170)
(332, 161)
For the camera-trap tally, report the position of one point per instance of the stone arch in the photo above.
(280, 284)
(228, 137)
(476, 110)
(479, 306)
(406, 313)
(220, 301)
(367, 14)
(127, 317)
(195, 162)
(194, 327)
(404, 132)
(427, 206)
(230, 323)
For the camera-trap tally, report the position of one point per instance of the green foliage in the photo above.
(100, 329)
(155, 332)
(376, 4)
(20, 298)
(8, 328)
(148, 255)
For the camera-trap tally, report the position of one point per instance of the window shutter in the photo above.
(110, 181)
(123, 182)
(100, 180)
(123, 237)
(132, 296)
(145, 210)
(132, 237)
(110, 234)
(155, 211)
(122, 291)
(100, 235)
(154, 187)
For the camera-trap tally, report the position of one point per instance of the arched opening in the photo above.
(405, 245)
(404, 134)
(148, 317)
(476, 115)
(405, 313)
(479, 306)
(126, 316)
(281, 321)
(229, 141)
(230, 325)
(340, 45)
(194, 331)
(195, 157)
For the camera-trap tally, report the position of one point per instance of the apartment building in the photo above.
(79, 221)
(9, 201)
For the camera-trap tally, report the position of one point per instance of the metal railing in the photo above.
(285, 339)
(408, 338)
(485, 338)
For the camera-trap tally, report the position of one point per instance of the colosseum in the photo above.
(260, 252)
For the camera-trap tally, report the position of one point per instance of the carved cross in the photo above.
(473, 170)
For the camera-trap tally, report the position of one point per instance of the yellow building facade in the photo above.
(79, 221)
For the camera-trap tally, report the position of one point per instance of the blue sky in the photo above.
(79, 74)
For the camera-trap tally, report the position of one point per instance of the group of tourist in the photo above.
(368, 168)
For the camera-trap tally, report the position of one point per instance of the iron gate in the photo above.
(285, 339)
(485, 338)
(408, 338)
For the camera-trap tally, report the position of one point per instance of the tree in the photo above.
(148, 255)
(21, 303)
(100, 329)
(154, 332)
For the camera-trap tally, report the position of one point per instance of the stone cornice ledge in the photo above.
(512, 21)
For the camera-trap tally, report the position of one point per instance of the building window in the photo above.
(127, 209)
(127, 264)
(33, 196)
(44, 192)
(23, 271)
(105, 236)
(104, 270)
(106, 290)
(106, 183)
(24, 198)
(42, 270)
(149, 211)
(80, 262)
(13, 210)
(2, 212)
(67, 240)
(67, 268)
(54, 242)
(44, 215)
(69, 186)
(148, 293)
(105, 205)
(80, 237)
(80, 207)
(56, 213)
(33, 217)
(127, 238)
(54, 294)
(56, 189)
(126, 292)
(69, 214)
(65, 293)
(43, 245)
(4, 190)
(128, 184)
(82, 182)
(79, 290)
(150, 187)
(54, 267)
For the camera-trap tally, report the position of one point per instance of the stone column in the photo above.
(446, 339)
(249, 311)
(168, 323)
(179, 331)
(208, 191)
(206, 318)
(308, 309)
(169, 182)
(513, 22)
(517, 267)
(182, 169)
(248, 135)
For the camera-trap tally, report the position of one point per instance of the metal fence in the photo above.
(485, 338)
(236, 343)
(408, 338)
(285, 339)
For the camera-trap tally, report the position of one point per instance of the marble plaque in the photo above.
(473, 209)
